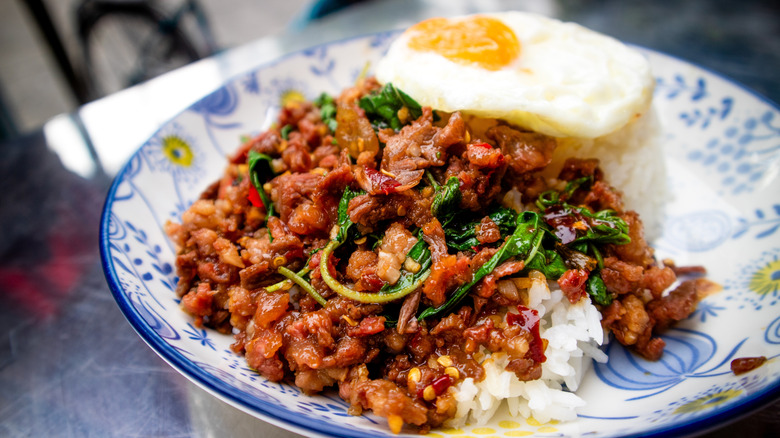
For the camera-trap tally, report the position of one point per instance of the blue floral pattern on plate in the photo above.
(722, 149)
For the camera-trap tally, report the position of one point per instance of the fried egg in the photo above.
(541, 74)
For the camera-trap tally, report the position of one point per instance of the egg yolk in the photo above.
(480, 40)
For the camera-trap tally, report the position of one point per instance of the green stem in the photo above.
(284, 284)
(362, 297)
(295, 278)
(432, 180)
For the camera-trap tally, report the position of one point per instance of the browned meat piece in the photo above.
(284, 243)
(187, 269)
(292, 114)
(658, 279)
(270, 308)
(271, 368)
(637, 252)
(361, 269)
(452, 324)
(199, 302)
(603, 196)
(266, 142)
(488, 286)
(525, 151)
(742, 365)
(309, 219)
(371, 210)
(433, 234)
(406, 316)
(487, 231)
(349, 351)
(253, 276)
(328, 192)
(482, 155)
(650, 348)
(525, 369)
(291, 190)
(575, 168)
(621, 277)
(385, 399)
(675, 306)
(478, 188)
(418, 146)
(296, 155)
(633, 322)
(369, 325)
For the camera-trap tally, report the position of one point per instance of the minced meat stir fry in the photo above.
(368, 244)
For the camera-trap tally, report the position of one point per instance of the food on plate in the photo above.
(430, 252)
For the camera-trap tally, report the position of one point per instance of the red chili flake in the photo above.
(529, 320)
(441, 384)
(742, 365)
(368, 326)
(254, 197)
(382, 182)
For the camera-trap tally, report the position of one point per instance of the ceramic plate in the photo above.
(722, 146)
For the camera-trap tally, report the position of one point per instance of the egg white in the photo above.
(568, 81)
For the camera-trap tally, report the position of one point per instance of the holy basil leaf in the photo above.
(598, 290)
(259, 172)
(446, 200)
(344, 222)
(382, 108)
(523, 242)
(327, 106)
(285, 131)
(462, 235)
(548, 262)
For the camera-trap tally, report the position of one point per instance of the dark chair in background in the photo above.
(125, 42)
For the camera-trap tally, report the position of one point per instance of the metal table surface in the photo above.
(70, 365)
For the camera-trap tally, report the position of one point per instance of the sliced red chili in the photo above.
(382, 182)
(441, 384)
(254, 197)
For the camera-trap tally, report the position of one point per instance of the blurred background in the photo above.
(116, 35)
(56, 55)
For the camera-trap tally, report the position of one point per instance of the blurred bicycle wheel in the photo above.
(128, 42)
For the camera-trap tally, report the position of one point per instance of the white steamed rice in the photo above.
(633, 162)
(573, 332)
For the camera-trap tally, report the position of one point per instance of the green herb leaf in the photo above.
(382, 108)
(597, 289)
(285, 131)
(259, 172)
(344, 222)
(446, 200)
(462, 234)
(548, 262)
(327, 106)
(524, 241)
